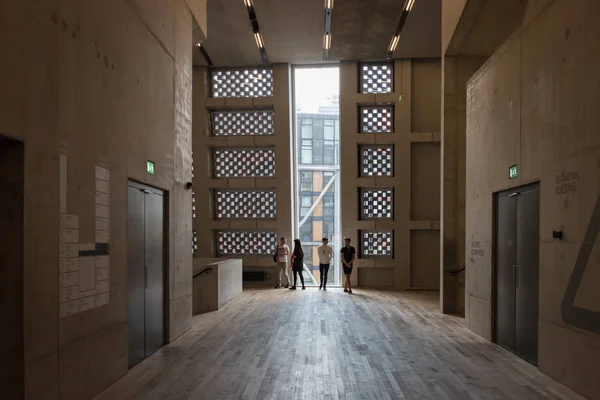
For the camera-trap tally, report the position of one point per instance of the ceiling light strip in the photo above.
(204, 54)
(327, 33)
(396, 37)
(258, 38)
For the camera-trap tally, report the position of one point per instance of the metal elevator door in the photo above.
(145, 229)
(517, 271)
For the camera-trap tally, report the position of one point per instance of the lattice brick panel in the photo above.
(242, 123)
(244, 163)
(245, 204)
(377, 243)
(247, 82)
(377, 203)
(377, 161)
(376, 119)
(194, 242)
(249, 243)
(376, 78)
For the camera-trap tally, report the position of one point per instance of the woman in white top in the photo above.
(325, 252)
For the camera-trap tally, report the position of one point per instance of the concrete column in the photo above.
(456, 71)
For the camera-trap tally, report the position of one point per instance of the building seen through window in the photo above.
(317, 137)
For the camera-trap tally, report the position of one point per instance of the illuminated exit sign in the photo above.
(513, 172)
(150, 167)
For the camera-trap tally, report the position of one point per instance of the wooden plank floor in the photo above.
(278, 344)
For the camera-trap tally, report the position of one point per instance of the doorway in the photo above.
(317, 167)
(11, 268)
(146, 276)
(517, 271)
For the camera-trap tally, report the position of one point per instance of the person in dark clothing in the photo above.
(348, 256)
(298, 263)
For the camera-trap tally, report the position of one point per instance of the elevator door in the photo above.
(11, 268)
(517, 271)
(145, 225)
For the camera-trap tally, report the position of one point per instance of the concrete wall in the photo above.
(535, 103)
(104, 83)
(416, 135)
(456, 71)
(218, 286)
(204, 182)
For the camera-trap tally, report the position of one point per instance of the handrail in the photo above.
(201, 272)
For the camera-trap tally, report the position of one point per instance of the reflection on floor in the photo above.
(279, 344)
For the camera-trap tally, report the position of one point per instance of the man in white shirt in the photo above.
(283, 259)
(325, 252)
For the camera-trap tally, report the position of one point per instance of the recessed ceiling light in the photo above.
(394, 44)
(259, 40)
(327, 41)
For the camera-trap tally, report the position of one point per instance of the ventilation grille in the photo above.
(242, 123)
(377, 161)
(377, 203)
(248, 82)
(245, 204)
(247, 243)
(244, 163)
(376, 78)
(376, 119)
(377, 243)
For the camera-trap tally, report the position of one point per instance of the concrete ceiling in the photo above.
(485, 25)
(293, 31)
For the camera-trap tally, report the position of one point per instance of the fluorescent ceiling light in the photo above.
(394, 43)
(329, 4)
(409, 5)
(259, 40)
(327, 41)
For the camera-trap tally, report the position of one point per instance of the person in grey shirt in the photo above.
(283, 259)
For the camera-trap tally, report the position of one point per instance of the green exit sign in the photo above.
(150, 167)
(513, 172)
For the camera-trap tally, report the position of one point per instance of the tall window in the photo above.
(317, 165)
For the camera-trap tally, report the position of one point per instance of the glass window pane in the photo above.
(307, 156)
(307, 131)
(306, 201)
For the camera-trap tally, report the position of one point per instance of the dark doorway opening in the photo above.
(146, 271)
(516, 270)
(11, 268)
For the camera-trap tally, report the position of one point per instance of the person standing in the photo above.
(283, 256)
(325, 252)
(298, 263)
(348, 256)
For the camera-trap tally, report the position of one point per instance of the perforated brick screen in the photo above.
(377, 243)
(245, 204)
(376, 119)
(250, 243)
(247, 82)
(376, 78)
(377, 203)
(244, 163)
(377, 160)
(242, 123)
